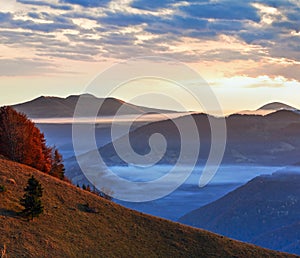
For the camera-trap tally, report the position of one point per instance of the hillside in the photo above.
(269, 145)
(265, 211)
(285, 238)
(66, 229)
(55, 107)
(271, 140)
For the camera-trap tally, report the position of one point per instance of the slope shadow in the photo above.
(9, 213)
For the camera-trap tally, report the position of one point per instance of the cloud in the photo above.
(275, 3)
(125, 20)
(228, 55)
(288, 25)
(25, 67)
(44, 3)
(256, 36)
(44, 27)
(152, 5)
(189, 30)
(50, 22)
(87, 3)
(185, 26)
(225, 10)
(4, 17)
(283, 67)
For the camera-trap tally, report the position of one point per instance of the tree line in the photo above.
(21, 141)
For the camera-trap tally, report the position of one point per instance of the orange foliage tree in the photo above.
(22, 141)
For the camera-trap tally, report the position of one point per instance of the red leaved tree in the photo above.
(22, 141)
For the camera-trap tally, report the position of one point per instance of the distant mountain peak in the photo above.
(85, 95)
(54, 107)
(277, 106)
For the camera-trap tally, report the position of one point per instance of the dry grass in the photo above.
(67, 229)
(3, 252)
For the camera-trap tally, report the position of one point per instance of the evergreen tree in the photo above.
(31, 200)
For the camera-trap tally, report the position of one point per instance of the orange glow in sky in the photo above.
(248, 52)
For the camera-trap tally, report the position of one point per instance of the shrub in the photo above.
(2, 189)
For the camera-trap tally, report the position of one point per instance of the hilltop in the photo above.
(268, 109)
(55, 107)
(277, 106)
(67, 229)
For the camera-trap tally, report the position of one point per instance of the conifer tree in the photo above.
(31, 200)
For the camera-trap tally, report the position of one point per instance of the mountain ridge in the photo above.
(276, 106)
(57, 107)
(268, 108)
(259, 212)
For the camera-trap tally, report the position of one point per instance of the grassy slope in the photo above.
(64, 230)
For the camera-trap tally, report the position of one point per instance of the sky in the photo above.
(248, 51)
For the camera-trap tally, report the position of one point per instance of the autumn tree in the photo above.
(22, 141)
(57, 167)
(31, 200)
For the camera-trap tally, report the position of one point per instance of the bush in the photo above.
(2, 189)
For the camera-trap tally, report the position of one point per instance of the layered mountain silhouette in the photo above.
(265, 211)
(269, 108)
(271, 140)
(268, 140)
(55, 107)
